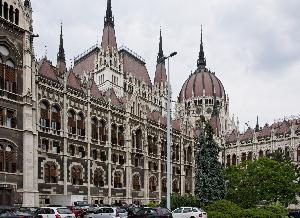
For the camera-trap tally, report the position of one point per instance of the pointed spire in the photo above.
(109, 19)
(257, 125)
(160, 51)
(61, 52)
(201, 63)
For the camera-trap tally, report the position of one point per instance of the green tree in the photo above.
(210, 184)
(250, 183)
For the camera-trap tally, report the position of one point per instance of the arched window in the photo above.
(114, 134)
(72, 122)
(139, 137)
(189, 154)
(152, 184)
(102, 131)
(98, 178)
(177, 153)
(150, 145)
(136, 182)
(260, 153)
(2, 157)
(164, 185)
(11, 14)
(228, 160)
(81, 152)
(233, 159)
(10, 160)
(94, 128)
(298, 153)
(44, 115)
(10, 77)
(50, 173)
(77, 175)
(80, 125)
(17, 17)
(249, 157)
(5, 9)
(175, 186)
(244, 156)
(117, 180)
(121, 140)
(163, 151)
(268, 153)
(55, 118)
(72, 150)
(154, 146)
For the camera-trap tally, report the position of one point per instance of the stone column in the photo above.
(65, 136)
(89, 138)
(109, 154)
(159, 167)
(182, 174)
(146, 166)
(128, 159)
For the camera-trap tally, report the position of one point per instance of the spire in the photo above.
(61, 52)
(160, 51)
(109, 19)
(201, 63)
(257, 125)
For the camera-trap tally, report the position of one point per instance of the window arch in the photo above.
(139, 137)
(164, 185)
(154, 146)
(17, 16)
(55, 118)
(72, 122)
(118, 180)
(136, 182)
(121, 141)
(102, 130)
(189, 154)
(76, 175)
(94, 125)
(175, 186)
(10, 63)
(228, 160)
(249, 157)
(233, 159)
(44, 115)
(152, 184)
(150, 145)
(98, 178)
(260, 153)
(114, 129)
(81, 124)
(5, 9)
(8, 159)
(81, 152)
(244, 156)
(11, 14)
(50, 173)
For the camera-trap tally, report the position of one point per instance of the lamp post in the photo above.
(169, 188)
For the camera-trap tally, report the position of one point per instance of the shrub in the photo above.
(152, 204)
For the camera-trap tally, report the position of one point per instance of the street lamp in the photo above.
(169, 134)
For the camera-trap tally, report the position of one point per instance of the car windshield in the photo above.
(64, 211)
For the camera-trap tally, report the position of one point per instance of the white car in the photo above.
(107, 212)
(188, 212)
(54, 212)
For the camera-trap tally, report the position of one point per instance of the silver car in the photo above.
(107, 212)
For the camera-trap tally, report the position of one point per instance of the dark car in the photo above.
(294, 214)
(157, 212)
(13, 213)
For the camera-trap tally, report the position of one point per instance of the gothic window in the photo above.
(175, 186)
(76, 175)
(114, 134)
(187, 187)
(189, 154)
(10, 74)
(249, 157)
(5, 9)
(152, 184)
(72, 150)
(1, 157)
(44, 144)
(103, 156)
(81, 152)
(164, 185)
(287, 152)
(102, 131)
(11, 14)
(139, 137)
(261, 153)
(154, 146)
(1, 8)
(228, 160)
(94, 154)
(50, 173)
(177, 151)
(121, 160)
(244, 156)
(268, 153)
(94, 128)
(136, 182)
(10, 119)
(150, 145)
(80, 125)
(10, 159)
(55, 118)
(98, 178)
(17, 17)
(72, 122)
(117, 180)
(44, 115)
(56, 147)
(121, 140)
(114, 158)
(233, 159)
(298, 153)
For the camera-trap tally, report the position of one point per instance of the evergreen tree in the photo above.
(210, 184)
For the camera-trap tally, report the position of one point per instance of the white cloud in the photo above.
(253, 46)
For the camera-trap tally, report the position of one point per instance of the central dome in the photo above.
(202, 83)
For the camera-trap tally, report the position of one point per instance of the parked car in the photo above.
(54, 212)
(78, 211)
(294, 214)
(158, 212)
(106, 212)
(189, 212)
(13, 213)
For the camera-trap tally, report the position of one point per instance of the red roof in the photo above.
(136, 67)
(232, 137)
(160, 73)
(73, 81)
(86, 64)
(176, 124)
(113, 97)
(47, 70)
(283, 128)
(248, 135)
(265, 132)
(154, 116)
(199, 81)
(95, 92)
(109, 38)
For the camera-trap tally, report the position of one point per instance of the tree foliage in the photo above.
(210, 184)
(250, 183)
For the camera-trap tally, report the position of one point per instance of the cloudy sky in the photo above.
(253, 46)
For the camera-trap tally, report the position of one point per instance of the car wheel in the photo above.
(192, 217)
